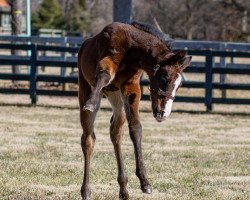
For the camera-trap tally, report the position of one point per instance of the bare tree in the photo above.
(16, 28)
(198, 19)
(226, 20)
(100, 12)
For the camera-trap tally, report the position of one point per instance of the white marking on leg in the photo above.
(169, 104)
(116, 101)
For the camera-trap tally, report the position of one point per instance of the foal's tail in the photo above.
(79, 56)
(84, 87)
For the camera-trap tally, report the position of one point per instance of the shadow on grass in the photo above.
(39, 106)
(195, 112)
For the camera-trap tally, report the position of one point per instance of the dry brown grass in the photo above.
(192, 155)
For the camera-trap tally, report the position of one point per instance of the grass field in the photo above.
(192, 155)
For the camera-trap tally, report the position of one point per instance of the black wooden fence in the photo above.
(34, 60)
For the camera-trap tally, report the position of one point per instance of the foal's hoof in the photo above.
(86, 198)
(86, 194)
(147, 189)
(89, 107)
(124, 195)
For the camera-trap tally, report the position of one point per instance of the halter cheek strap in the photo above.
(167, 95)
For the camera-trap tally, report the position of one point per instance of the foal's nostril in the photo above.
(158, 115)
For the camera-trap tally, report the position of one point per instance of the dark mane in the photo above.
(152, 30)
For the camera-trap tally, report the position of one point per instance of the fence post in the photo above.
(223, 65)
(33, 74)
(209, 80)
(63, 56)
(63, 69)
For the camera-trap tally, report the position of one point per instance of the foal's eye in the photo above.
(163, 81)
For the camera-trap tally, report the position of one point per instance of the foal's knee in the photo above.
(87, 142)
(135, 129)
(104, 77)
(116, 126)
(117, 122)
(135, 126)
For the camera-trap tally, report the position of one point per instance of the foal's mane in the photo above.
(153, 31)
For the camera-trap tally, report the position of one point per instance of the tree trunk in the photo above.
(16, 21)
(244, 22)
(190, 33)
(122, 10)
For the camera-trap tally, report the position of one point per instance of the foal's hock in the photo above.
(111, 63)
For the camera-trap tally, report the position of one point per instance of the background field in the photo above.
(192, 155)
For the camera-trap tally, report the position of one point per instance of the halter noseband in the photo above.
(167, 94)
(160, 92)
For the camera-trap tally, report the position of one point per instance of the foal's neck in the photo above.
(149, 49)
(149, 44)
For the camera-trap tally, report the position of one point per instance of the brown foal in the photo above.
(111, 63)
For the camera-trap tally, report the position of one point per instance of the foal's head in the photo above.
(164, 82)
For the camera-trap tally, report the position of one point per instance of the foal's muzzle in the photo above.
(159, 115)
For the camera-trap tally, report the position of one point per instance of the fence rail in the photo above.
(34, 60)
(177, 44)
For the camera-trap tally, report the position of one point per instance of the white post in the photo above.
(28, 18)
(28, 26)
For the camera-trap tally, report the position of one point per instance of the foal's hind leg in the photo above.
(132, 95)
(88, 136)
(105, 74)
(116, 134)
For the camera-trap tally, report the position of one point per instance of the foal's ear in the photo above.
(175, 57)
(179, 59)
(185, 63)
(168, 56)
(180, 55)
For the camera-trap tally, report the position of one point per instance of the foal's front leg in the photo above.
(116, 134)
(132, 95)
(105, 74)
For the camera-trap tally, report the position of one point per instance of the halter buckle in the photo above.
(157, 66)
